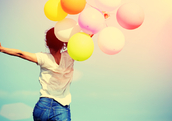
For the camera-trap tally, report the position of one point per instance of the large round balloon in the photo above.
(73, 6)
(66, 28)
(91, 21)
(107, 5)
(80, 46)
(111, 40)
(54, 11)
(130, 16)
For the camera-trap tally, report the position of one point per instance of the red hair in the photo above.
(52, 41)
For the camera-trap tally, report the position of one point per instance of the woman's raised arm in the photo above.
(15, 52)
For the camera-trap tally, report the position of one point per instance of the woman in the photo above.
(55, 78)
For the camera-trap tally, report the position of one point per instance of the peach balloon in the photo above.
(130, 16)
(73, 6)
(66, 28)
(91, 21)
(107, 5)
(111, 40)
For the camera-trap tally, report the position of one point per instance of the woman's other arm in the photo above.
(15, 52)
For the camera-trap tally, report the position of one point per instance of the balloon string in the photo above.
(106, 24)
(105, 14)
(100, 10)
(95, 8)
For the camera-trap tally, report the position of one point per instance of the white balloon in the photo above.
(107, 5)
(66, 28)
(111, 40)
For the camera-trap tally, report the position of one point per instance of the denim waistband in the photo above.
(51, 100)
(47, 99)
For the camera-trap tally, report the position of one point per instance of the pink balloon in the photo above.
(130, 16)
(111, 40)
(91, 20)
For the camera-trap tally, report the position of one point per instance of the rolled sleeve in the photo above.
(40, 59)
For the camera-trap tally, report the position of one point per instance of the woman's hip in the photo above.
(47, 109)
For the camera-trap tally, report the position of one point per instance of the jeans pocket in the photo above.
(39, 114)
(61, 114)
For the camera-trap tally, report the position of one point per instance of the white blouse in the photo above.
(56, 79)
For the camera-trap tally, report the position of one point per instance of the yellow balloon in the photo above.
(54, 11)
(80, 46)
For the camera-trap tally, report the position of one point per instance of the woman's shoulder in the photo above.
(44, 55)
(66, 54)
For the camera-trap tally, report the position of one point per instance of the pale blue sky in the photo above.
(134, 85)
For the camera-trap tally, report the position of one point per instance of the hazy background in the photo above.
(133, 85)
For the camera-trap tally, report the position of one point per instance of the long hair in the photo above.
(52, 41)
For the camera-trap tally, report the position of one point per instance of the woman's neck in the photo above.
(56, 55)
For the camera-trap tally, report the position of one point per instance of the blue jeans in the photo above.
(47, 109)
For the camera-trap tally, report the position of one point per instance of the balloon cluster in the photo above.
(91, 21)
